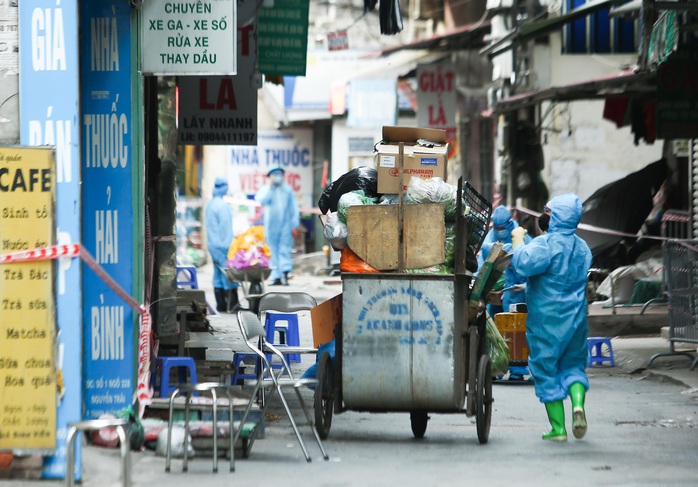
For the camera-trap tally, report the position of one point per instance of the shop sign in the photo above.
(28, 386)
(107, 162)
(48, 114)
(436, 95)
(372, 103)
(677, 95)
(290, 149)
(181, 37)
(283, 38)
(222, 110)
(337, 41)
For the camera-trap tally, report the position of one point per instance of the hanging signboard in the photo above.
(290, 149)
(677, 98)
(107, 195)
(185, 37)
(436, 99)
(337, 41)
(283, 38)
(28, 386)
(222, 110)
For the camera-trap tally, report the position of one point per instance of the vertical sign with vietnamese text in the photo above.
(48, 104)
(289, 149)
(677, 98)
(436, 98)
(27, 375)
(108, 339)
(283, 38)
(222, 110)
(188, 37)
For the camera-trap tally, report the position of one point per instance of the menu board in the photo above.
(27, 315)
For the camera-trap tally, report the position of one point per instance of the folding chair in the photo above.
(253, 333)
(288, 303)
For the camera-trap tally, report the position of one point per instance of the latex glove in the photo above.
(517, 236)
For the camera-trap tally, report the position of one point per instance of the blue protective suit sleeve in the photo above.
(219, 229)
(532, 258)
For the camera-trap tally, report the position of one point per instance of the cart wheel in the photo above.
(419, 423)
(483, 399)
(324, 395)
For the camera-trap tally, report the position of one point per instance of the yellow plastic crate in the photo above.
(512, 327)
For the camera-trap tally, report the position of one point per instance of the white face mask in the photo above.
(277, 179)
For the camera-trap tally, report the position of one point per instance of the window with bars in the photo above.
(598, 33)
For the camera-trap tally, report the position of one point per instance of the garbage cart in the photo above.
(407, 343)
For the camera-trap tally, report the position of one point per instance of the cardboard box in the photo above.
(419, 160)
(374, 235)
(324, 318)
(512, 327)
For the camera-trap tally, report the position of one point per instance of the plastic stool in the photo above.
(237, 374)
(287, 326)
(182, 364)
(595, 344)
(188, 270)
(92, 425)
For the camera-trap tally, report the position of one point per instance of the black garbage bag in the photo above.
(361, 178)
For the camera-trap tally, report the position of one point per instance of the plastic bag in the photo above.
(350, 262)
(136, 432)
(361, 178)
(450, 244)
(435, 269)
(335, 231)
(388, 199)
(496, 348)
(434, 190)
(311, 373)
(353, 198)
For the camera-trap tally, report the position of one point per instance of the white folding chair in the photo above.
(253, 334)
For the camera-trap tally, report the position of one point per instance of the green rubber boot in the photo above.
(556, 416)
(579, 419)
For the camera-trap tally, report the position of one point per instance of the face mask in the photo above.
(277, 179)
(544, 222)
(501, 234)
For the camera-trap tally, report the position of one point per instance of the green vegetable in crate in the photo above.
(497, 348)
(450, 244)
(352, 198)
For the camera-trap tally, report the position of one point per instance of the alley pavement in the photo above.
(642, 423)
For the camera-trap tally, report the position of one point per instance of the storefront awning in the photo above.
(470, 35)
(545, 26)
(623, 83)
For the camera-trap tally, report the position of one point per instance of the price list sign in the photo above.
(27, 320)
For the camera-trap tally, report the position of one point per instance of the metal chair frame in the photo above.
(253, 333)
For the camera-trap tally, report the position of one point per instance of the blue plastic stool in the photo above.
(596, 356)
(182, 364)
(288, 330)
(190, 280)
(238, 375)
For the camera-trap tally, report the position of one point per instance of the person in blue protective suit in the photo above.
(281, 217)
(218, 218)
(502, 226)
(556, 266)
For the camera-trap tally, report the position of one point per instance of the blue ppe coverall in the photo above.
(556, 266)
(218, 219)
(503, 224)
(281, 216)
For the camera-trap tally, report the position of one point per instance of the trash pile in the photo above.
(358, 188)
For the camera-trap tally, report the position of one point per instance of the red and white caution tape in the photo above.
(594, 228)
(144, 389)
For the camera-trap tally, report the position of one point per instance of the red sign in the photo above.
(337, 41)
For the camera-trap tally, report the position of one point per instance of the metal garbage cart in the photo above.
(252, 282)
(407, 343)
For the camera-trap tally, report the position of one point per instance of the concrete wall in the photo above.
(583, 151)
